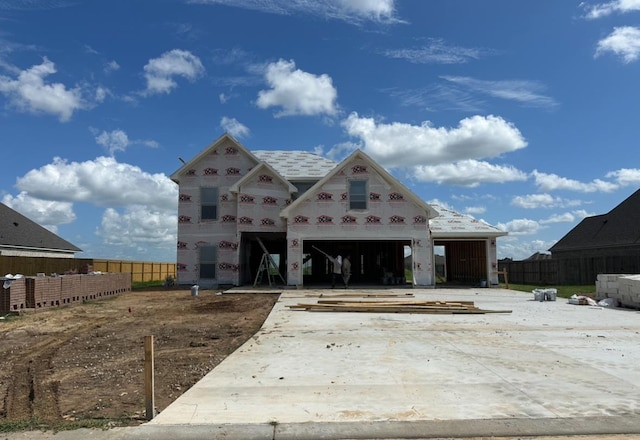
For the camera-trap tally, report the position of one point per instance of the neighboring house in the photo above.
(22, 237)
(298, 205)
(602, 244)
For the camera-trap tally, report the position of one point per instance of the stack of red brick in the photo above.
(14, 297)
(41, 292)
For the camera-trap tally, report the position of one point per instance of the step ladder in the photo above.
(266, 263)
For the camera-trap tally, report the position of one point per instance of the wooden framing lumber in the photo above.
(432, 307)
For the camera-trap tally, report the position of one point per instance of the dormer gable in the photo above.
(358, 163)
(261, 171)
(225, 145)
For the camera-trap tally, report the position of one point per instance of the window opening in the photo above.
(209, 203)
(357, 194)
(208, 257)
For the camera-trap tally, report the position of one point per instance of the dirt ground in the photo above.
(86, 361)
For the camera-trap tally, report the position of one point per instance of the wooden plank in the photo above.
(435, 307)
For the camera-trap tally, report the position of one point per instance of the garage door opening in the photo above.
(372, 262)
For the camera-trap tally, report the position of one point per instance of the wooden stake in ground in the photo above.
(149, 379)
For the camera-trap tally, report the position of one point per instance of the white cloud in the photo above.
(138, 225)
(234, 128)
(111, 66)
(160, 72)
(102, 182)
(517, 249)
(533, 201)
(525, 92)
(30, 93)
(553, 182)
(350, 11)
(297, 92)
(522, 226)
(626, 176)
(341, 150)
(469, 173)
(623, 41)
(603, 9)
(117, 140)
(401, 144)
(47, 213)
(567, 217)
(438, 97)
(437, 52)
(475, 210)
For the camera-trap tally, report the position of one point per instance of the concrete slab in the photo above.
(547, 368)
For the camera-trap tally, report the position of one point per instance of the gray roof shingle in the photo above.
(296, 165)
(16, 230)
(619, 227)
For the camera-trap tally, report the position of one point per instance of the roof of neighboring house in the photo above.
(17, 231)
(619, 227)
(296, 165)
(538, 256)
(453, 224)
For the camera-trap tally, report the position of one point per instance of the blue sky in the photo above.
(521, 113)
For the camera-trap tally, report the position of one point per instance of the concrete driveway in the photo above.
(546, 368)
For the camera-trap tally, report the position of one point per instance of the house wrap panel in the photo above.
(260, 201)
(219, 168)
(325, 214)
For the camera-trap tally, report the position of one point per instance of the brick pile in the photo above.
(13, 298)
(71, 289)
(43, 292)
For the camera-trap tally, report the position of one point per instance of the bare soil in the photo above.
(86, 361)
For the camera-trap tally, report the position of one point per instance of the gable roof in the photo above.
(410, 195)
(255, 170)
(451, 224)
(17, 231)
(221, 140)
(297, 165)
(619, 227)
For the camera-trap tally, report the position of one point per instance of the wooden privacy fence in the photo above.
(140, 270)
(538, 272)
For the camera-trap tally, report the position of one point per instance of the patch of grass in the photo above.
(34, 424)
(22, 425)
(142, 285)
(563, 291)
(9, 317)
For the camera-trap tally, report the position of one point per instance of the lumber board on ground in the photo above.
(433, 307)
(364, 295)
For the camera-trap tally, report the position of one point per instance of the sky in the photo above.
(523, 114)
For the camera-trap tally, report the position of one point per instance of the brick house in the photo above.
(22, 237)
(602, 244)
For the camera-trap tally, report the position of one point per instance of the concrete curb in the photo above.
(420, 429)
